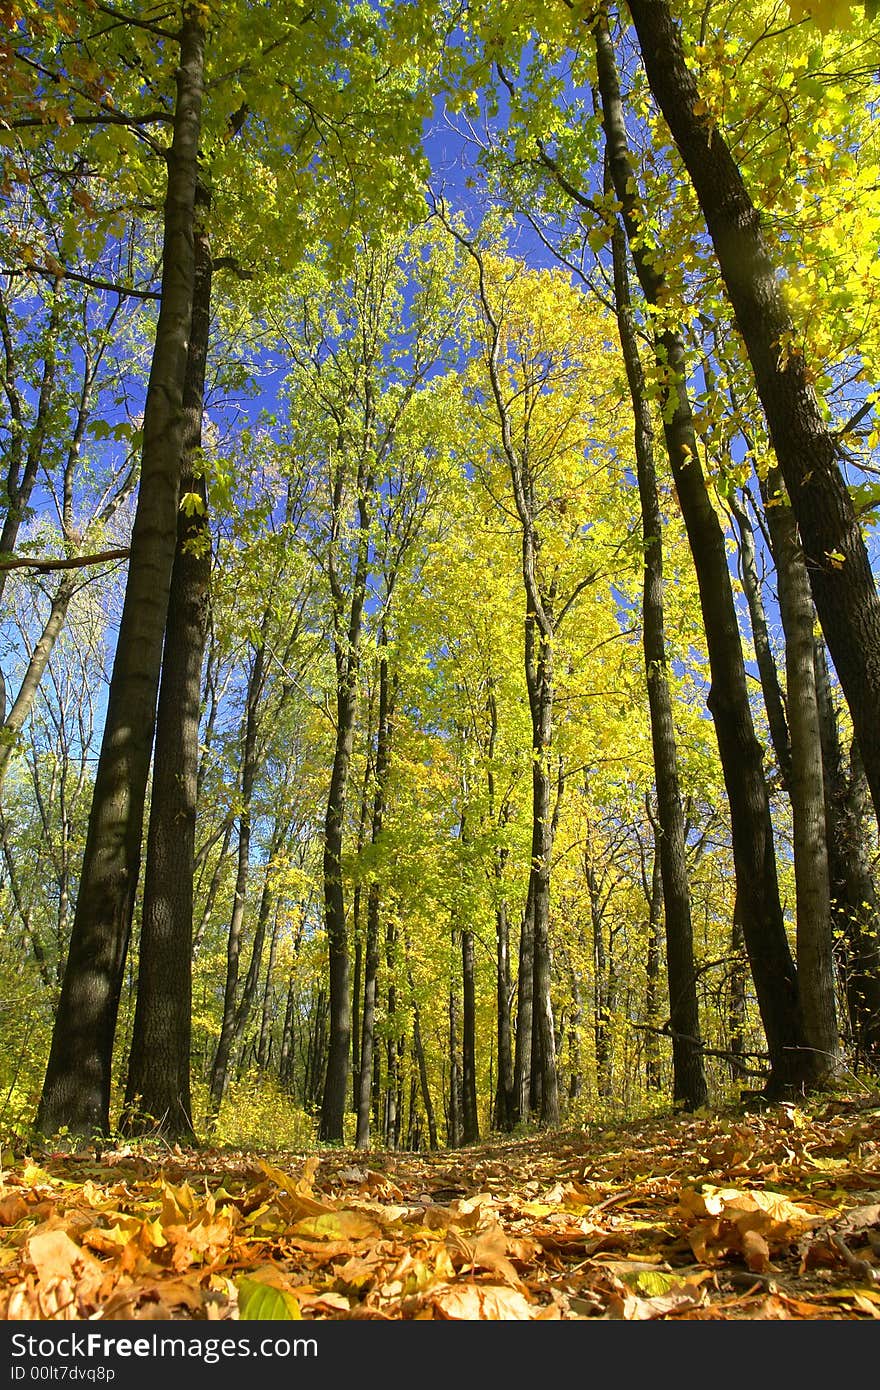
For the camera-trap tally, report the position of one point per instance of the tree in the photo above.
(808, 453)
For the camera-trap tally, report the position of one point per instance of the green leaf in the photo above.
(259, 1302)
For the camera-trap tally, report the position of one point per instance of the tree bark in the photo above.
(157, 1092)
(347, 655)
(249, 762)
(689, 1082)
(76, 1090)
(808, 453)
(855, 904)
(371, 951)
(815, 960)
(776, 720)
(470, 1125)
(741, 753)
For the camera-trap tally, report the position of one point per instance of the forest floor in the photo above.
(772, 1214)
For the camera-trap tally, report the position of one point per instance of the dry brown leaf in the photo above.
(482, 1303)
(12, 1209)
(488, 1250)
(756, 1251)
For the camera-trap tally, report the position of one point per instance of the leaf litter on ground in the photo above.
(773, 1214)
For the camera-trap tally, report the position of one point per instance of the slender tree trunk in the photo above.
(689, 1082)
(419, 1050)
(453, 1123)
(213, 886)
(601, 988)
(27, 691)
(504, 1108)
(24, 467)
(264, 1048)
(854, 901)
(286, 1056)
(741, 753)
(737, 1010)
(776, 720)
(357, 990)
(371, 953)
(534, 1022)
(652, 969)
(76, 1090)
(157, 1093)
(812, 883)
(233, 941)
(347, 654)
(393, 1077)
(470, 1125)
(806, 449)
(244, 1007)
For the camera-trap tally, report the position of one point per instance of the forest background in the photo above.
(493, 390)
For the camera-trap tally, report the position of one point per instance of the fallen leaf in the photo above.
(482, 1302)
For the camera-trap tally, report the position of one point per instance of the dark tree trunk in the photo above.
(357, 989)
(689, 1082)
(504, 1109)
(652, 970)
(776, 720)
(470, 1125)
(602, 987)
(392, 1047)
(453, 1121)
(812, 883)
(157, 1092)
(371, 953)
(736, 1023)
(76, 1090)
(741, 753)
(854, 901)
(534, 1024)
(24, 465)
(347, 656)
(806, 449)
(285, 1059)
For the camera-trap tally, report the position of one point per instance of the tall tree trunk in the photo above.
(24, 467)
(453, 1122)
(854, 900)
(534, 1027)
(807, 451)
(286, 1056)
(504, 1109)
(470, 1125)
(602, 989)
(357, 989)
(689, 1081)
(233, 940)
(776, 720)
(736, 1021)
(741, 753)
(812, 883)
(76, 1090)
(371, 951)
(652, 968)
(264, 1047)
(419, 1050)
(347, 657)
(392, 1049)
(30, 684)
(157, 1091)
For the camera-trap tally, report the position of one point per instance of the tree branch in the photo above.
(43, 566)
